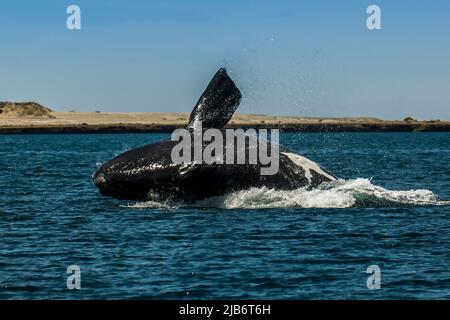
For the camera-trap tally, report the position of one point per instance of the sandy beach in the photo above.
(72, 122)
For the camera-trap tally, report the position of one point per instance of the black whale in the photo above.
(148, 173)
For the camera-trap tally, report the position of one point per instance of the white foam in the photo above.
(148, 204)
(335, 194)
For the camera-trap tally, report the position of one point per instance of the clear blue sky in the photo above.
(307, 58)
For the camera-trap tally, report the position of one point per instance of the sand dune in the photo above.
(23, 110)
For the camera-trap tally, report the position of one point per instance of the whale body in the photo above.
(148, 172)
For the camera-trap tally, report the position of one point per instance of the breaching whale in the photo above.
(148, 172)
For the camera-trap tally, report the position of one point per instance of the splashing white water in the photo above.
(336, 194)
(150, 204)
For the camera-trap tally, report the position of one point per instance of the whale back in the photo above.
(217, 104)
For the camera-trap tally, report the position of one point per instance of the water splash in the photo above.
(336, 194)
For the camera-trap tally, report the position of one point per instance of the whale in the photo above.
(148, 173)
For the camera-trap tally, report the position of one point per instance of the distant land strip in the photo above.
(31, 117)
(66, 122)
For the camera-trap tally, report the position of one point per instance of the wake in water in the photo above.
(336, 194)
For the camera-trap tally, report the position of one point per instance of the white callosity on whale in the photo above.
(148, 172)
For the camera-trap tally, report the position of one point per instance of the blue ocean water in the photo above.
(389, 210)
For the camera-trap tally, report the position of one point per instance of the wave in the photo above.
(336, 194)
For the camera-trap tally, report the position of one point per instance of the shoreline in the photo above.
(159, 122)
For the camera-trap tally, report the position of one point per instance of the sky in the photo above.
(300, 58)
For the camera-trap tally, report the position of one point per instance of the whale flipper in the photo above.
(217, 103)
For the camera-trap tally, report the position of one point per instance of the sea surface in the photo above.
(389, 209)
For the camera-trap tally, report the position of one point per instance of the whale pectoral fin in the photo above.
(217, 103)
